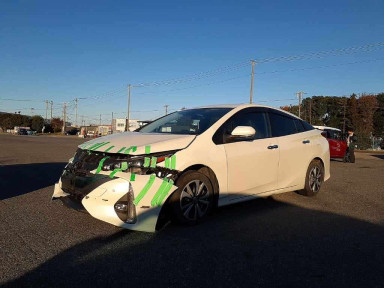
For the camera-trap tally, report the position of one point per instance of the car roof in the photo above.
(242, 106)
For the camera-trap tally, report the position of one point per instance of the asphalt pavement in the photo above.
(332, 240)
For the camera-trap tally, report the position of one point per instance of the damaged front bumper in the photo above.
(120, 201)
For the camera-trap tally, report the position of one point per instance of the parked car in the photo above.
(337, 143)
(73, 131)
(22, 131)
(186, 163)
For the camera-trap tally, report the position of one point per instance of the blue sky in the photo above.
(61, 50)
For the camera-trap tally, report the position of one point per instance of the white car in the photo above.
(186, 163)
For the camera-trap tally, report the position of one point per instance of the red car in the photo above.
(337, 143)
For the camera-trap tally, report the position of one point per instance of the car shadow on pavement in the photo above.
(378, 156)
(21, 179)
(261, 243)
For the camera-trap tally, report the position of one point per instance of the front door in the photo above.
(252, 165)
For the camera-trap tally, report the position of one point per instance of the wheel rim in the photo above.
(195, 200)
(315, 179)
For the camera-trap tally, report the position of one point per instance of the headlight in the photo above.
(137, 164)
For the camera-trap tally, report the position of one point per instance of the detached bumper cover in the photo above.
(150, 193)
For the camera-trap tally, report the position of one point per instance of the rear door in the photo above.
(295, 148)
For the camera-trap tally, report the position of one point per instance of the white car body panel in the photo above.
(244, 170)
(159, 142)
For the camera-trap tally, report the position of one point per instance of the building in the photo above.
(95, 130)
(119, 124)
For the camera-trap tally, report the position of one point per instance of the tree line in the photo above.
(363, 114)
(36, 123)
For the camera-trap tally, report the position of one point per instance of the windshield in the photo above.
(193, 121)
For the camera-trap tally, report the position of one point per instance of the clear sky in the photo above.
(62, 50)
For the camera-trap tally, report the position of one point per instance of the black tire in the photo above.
(313, 179)
(188, 206)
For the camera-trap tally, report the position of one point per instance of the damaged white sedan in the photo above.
(184, 164)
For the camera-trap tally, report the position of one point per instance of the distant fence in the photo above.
(369, 143)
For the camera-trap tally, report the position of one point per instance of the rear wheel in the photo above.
(313, 179)
(193, 200)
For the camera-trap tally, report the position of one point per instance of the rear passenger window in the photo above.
(281, 125)
(307, 126)
(299, 125)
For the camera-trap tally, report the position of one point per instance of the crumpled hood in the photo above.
(119, 143)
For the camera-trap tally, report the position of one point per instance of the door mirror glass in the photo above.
(243, 132)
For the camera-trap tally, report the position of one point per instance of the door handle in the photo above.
(273, 147)
(306, 141)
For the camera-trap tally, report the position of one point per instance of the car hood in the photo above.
(157, 142)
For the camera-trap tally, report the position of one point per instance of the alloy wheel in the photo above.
(195, 200)
(315, 179)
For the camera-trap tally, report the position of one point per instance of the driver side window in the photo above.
(257, 120)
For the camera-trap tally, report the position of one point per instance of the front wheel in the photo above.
(313, 179)
(193, 200)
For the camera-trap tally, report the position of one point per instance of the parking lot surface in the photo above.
(332, 240)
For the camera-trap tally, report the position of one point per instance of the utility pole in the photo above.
(166, 109)
(76, 111)
(112, 124)
(64, 116)
(310, 112)
(82, 120)
(252, 76)
(129, 104)
(32, 109)
(46, 110)
(300, 97)
(100, 119)
(51, 110)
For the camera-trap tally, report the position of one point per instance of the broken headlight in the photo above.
(137, 164)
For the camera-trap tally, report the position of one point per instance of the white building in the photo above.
(118, 125)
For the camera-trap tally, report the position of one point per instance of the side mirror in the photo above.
(324, 134)
(243, 133)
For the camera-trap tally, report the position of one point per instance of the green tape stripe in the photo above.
(92, 146)
(109, 148)
(145, 189)
(124, 166)
(167, 164)
(101, 164)
(132, 148)
(114, 172)
(133, 177)
(165, 193)
(100, 145)
(173, 162)
(147, 160)
(121, 150)
(153, 162)
(148, 149)
(159, 192)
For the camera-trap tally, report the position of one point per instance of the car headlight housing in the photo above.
(136, 164)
